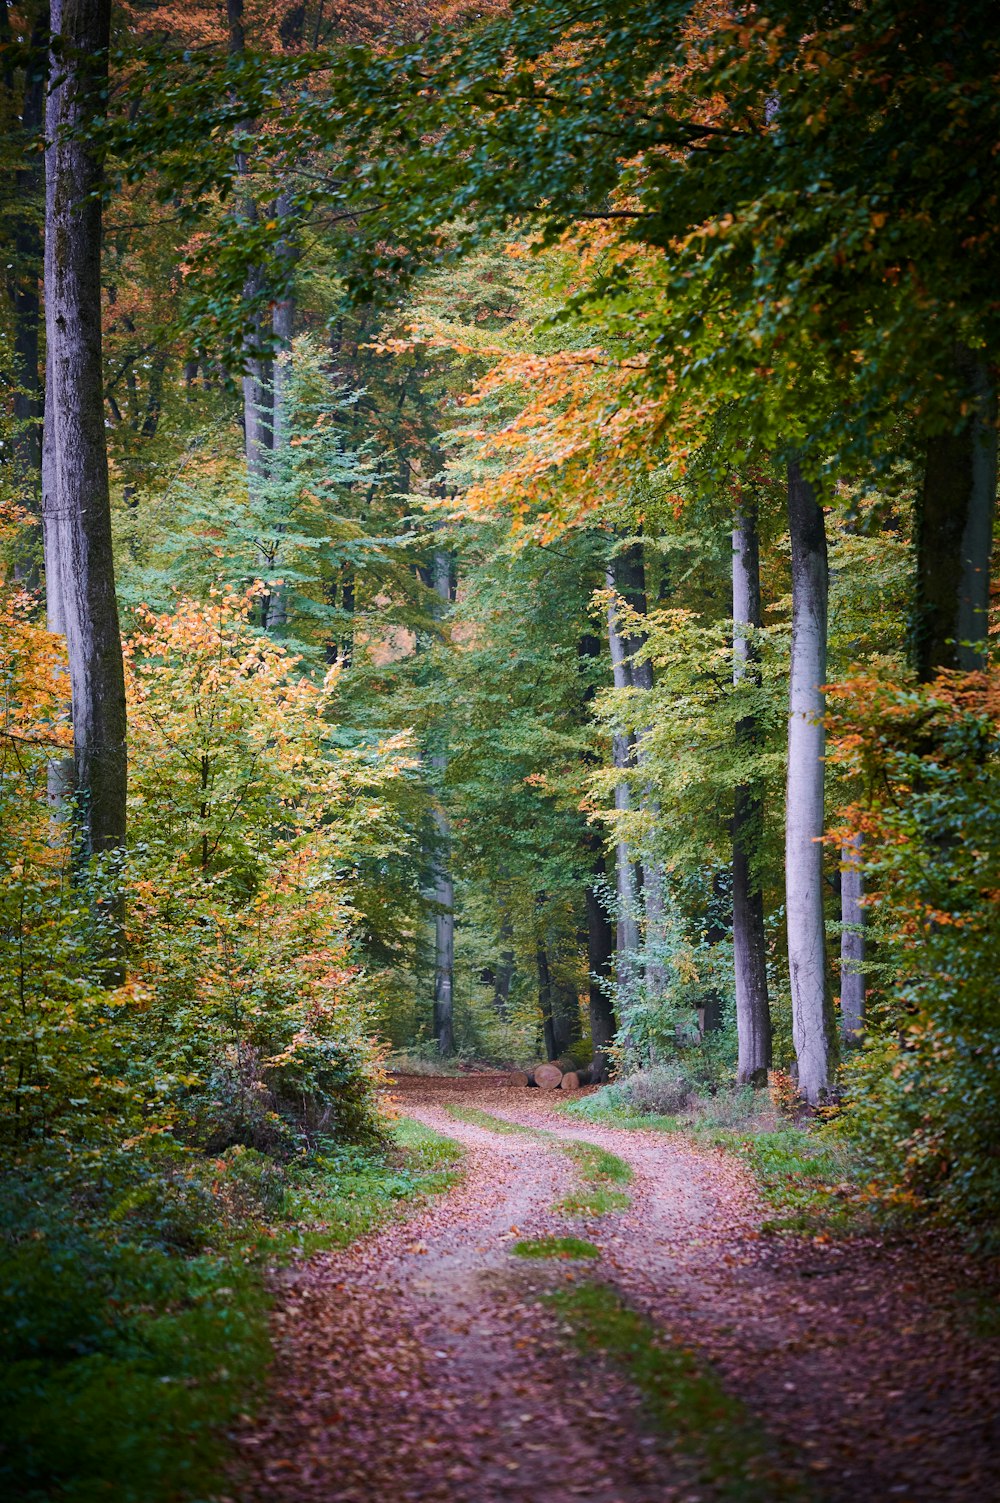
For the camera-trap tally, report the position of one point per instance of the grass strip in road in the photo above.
(684, 1398)
(804, 1180)
(598, 1171)
(555, 1247)
(486, 1120)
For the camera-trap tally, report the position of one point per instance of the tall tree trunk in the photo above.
(79, 562)
(444, 888)
(627, 872)
(852, 943)
(545, 1000)
(600, 953)
(955, 532)
(258, 369)
(627, 575)
(753, 1014)
(283, 325)
(23, 280)
(811, 1021)
(444, 933)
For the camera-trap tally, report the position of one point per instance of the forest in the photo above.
(499, 632)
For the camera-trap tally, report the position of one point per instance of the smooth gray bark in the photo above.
(627, 877)
(852, 943)
(954, 531)
(811, 1024)
(444, 888)
(76, 503)
(753, 1015)
(627, 870)
(627, 576)
(261, 420)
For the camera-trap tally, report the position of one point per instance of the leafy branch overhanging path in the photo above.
(693, 1359)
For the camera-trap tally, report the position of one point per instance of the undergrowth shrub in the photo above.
(152, 1128)
(922, 1097)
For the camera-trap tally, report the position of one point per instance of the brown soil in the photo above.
(420, 1364)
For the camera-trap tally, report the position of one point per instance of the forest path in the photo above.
(428, 1363)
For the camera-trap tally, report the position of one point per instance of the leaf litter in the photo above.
(427, 1362)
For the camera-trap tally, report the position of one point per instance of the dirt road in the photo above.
(431, 1362)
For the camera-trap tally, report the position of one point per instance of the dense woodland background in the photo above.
(496, 511)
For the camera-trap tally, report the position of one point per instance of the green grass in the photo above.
(598, 1171)
(476, 1118)
(123, 1358)
(684, 1399)
(805, 1180)
(555, 1247)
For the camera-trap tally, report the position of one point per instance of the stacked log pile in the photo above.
(553, 1075)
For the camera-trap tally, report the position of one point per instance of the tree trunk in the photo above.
(627, 875)
(627, 576)
(545, 1002)
(565, 1016)
(79, 562)
(811, 1023)
(444, 888)
(600, 954)
(852, 943)
(444, 934)
(955, 532)
(258, 369)
(753, 1015)
(23, 280)
(283, 324)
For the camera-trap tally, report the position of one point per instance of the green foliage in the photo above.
(922, 1103)
(133, 1313)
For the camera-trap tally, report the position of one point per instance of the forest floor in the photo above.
(670, 1351)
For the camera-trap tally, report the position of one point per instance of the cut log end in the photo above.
(570, 1081)
(518, 1078)
(548, 1077)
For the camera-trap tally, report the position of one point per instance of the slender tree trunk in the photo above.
(79, 562)
(258, 369)
(811, 1023)
(627, 873)
(60, 771)
(753, 1015)
(283, 324)
(545, 1000)
(627, 575)
(955, 532)
(852, 943)
(444, 934)
(600, 954)
(444, 889)
(23, 280)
